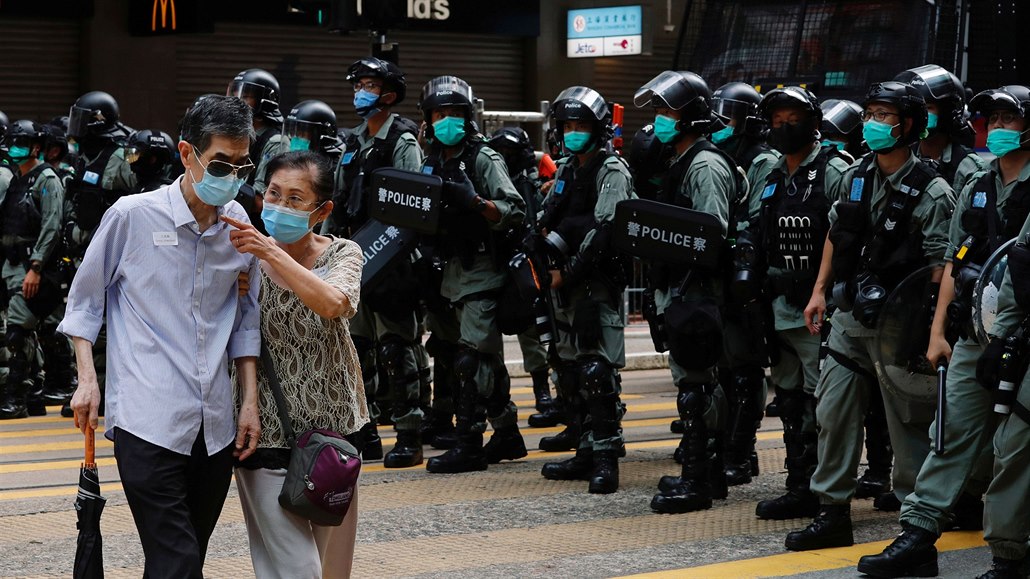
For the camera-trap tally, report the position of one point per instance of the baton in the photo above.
(942, 408)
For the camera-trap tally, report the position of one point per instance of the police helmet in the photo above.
(580, 103)
(446, 91)
(311, 125)
(939, 86)
(790, 97)
(25, 133)
(94, 114)
(841, 117)
(57, 134)
(261, 87)
(5, 124)
(513, 144)
(910, 105)
(386, 71)
(1014, 98)
(739, 101)
(683, 91)
(149, 149)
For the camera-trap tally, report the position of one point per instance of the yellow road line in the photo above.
(32, 433)
(791, 564)
(51, 446)
(54, 492)
(51, 465)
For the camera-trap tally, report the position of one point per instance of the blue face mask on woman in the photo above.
(284, 224)
(449, 130)
(215, 191)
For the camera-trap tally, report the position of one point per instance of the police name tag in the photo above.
(406, 199)
(347, 158)
(166, 238)
(980, 199)
(857, 184)
(769, 190)
(91, 177)
(559, 187)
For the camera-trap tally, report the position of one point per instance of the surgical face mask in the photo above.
(576, 141)
(19, 154)
(665, 128)
(215, 191)
(284, 224)
(1000, 142)
(790, 138)
(299, 144)
(449, 130)
(721, 136)
(878, 136)
(831, 143)
(931, 121)
(365, 102)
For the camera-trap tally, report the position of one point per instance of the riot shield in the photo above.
(381, 244)
(406, 199)
(985, 291)
(667, 233)
(902, 335)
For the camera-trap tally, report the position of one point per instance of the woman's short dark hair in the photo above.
(320, 167)
(228, 117)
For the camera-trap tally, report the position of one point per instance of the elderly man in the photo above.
(163, 263)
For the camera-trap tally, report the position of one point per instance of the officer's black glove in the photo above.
(461, 194)
(988, 364)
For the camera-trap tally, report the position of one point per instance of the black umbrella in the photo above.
(89, 549)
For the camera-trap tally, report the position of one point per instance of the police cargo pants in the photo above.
(1007, 512)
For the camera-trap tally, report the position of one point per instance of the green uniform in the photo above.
(1007, 503)
(472, 288)
(612, 183)
(374, 324)
(6, 176)
(842, 393)
(970, 421)
(275, 145)
(970, 165)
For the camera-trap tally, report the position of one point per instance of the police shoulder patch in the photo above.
(559, 187)
(857, 184)
(980, 199)
(91, 177)
(347, 157)
(427, 169)
(769, 190)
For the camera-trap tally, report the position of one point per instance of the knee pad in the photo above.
(598, 377)
(692, 399)
(466, 364)
(392, 351)
(16, 337)
(792, 404)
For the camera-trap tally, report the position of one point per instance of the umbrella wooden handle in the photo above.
(91, 446)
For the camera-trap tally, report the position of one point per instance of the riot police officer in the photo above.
(948, 134)
(792, 203)
(890, 219)
(514, 146)
(260, 90)
(587, 279)
(991, 209)
(7, 167)
(150, 154)
(742, 135)
(841, 127)
(386, 326)
(480, 206)
(311, 126)
(702, 178)
(32, 212)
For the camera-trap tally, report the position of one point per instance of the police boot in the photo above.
(438, 431)
(799, 502)
(831, 528)
(12, 404)
(887, 502)
(407, 452)
(876, 480)
(600, 382)
(467, 456)
(547, 412)
(676, 427)
(579, 467)
(604, 479)
(717, 468)
(34, 399)
(745, 416)
(1006, 569)
(373, 444)
(505, 444)
(694, 491)
(912, 554)
(567, 439)
(60, 379)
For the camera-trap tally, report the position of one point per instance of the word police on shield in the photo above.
(380, 245)
(662, 232)
(406, 199)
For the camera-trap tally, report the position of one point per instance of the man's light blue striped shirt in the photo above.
(174, 318)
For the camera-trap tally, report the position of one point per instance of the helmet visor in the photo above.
(79, 120)
(366, 67)
(247, 91)
(995, 100)
(447, 91)
(843, 116)
(668, 89)
(938, 81)
(303, 129)
(589, 98)
(732, 109)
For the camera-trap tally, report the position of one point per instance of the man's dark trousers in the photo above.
(175, 500)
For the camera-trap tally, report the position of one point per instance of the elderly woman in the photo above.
(309, 289)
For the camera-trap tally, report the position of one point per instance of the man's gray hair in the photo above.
(223, 116)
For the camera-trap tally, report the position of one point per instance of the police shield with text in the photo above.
(481, 206)
(991, 209)
(704, 179)
(780, 254)
(587, 278)
(30, 230)
(889, 220)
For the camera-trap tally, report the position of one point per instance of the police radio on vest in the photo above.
(425, 9)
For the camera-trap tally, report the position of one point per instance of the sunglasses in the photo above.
(217, 168)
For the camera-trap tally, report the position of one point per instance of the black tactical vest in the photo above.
(891, 248)
(89, 199)
(990, 225)
(570, 207)
(350, 199)
(949, 169)
(22, 214)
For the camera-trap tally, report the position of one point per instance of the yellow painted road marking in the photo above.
(51, 446)
(54, 492)
(791, 564)
(44, 432)
(50, 465)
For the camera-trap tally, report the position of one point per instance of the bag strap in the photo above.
(280, 399)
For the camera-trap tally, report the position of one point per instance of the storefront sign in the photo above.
(613, 31)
